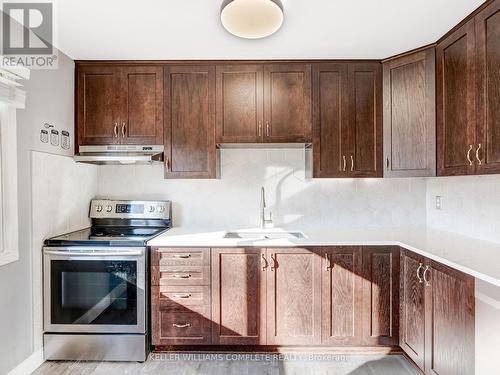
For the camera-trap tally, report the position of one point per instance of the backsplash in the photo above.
(295, 201)
(470, 205)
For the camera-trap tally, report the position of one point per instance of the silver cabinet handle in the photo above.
(427, 283)
(260, 129)
(182, 325)
(274, 264)
(387, 163)
(477, 154)
(420, 267)
(115, 129)
(328, 263)
(182, 256)
(344, 162)
(123, 129)
(264, 262)
(182, 295)
(352, 163)
(267, 128)
(181, 275)
(468, 154)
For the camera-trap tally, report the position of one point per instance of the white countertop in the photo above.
(475, 257)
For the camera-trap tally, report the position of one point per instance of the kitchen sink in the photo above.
(265, 235)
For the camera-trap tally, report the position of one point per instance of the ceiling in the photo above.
(191, 29)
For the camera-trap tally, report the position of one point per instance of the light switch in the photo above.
(439, 202)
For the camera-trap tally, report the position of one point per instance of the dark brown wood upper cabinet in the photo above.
(287, 103)
(347, 118)
(412, 307)
(330, 100)
(365, 120)
(119, 105)
(190, 150)
(450, 310)
(456, 102)
(342, 293)
(294, 296)
(240, 100)
(239, 296)
(381, 295)
(410, 115)
(487, 147)
(98, 106)
(142, 105)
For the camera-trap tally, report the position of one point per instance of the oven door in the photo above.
(94, 290)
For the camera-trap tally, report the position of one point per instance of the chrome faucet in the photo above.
(263, 221)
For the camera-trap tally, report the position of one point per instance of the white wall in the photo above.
(233, 201)
(50, 96)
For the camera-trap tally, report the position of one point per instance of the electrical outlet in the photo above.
(439, 202)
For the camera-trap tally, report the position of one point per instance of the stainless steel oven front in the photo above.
(94, 290)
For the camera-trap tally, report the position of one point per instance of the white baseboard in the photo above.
(29, 365)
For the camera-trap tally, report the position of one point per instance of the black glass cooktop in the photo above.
(107, 236)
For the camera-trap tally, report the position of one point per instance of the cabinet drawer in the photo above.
(180, 275)
(180, 328)
(181, 298)
(180, 257)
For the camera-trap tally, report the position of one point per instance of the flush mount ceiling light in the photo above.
(252, 19)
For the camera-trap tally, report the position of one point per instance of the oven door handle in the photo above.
(95, 253)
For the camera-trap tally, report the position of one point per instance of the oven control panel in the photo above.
(105, 208)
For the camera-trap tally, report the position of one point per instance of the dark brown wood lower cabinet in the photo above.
(333, 296)
(381, 295)
(239, 296)
(342, 294)
(449, 328)
(294, 296)
(412, 307)
(437, 316)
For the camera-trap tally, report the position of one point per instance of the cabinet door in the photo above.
(97, 104)
(239, 296)
(142, 105)
(342, 295)
(190, 122)
(456, 112)
(381, 295)
(287, 103)
(410, 115)
(449, 339)
(294, 296)
(487, 148)
(330, 121)
(412, 307)
(239, 103)
(365, 120)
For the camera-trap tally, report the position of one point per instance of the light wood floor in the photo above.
(227, 365)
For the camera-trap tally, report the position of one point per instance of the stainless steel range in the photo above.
(95, 283)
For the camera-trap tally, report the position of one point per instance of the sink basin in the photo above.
(265, 235)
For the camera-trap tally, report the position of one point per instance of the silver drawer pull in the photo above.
(185, 295)
(182, 256)
(181, 275)
(184, 325)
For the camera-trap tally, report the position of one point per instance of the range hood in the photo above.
(120, 154)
